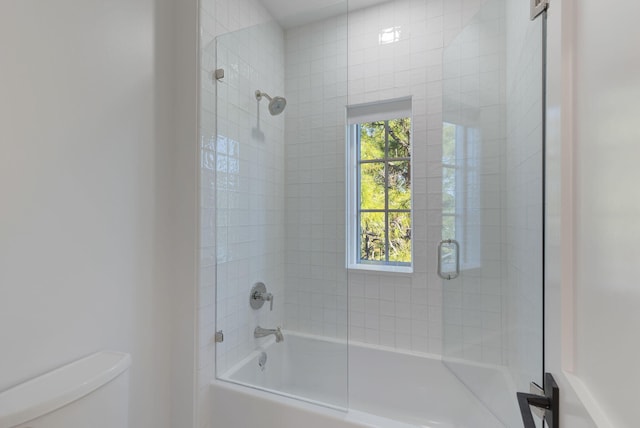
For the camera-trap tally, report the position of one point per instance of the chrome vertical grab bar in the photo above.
(456, 273)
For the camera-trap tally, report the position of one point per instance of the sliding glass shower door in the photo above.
(491, 254)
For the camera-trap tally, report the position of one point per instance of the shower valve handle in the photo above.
(266, 297)
(259, 295)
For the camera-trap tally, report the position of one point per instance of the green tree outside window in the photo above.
(385, 191)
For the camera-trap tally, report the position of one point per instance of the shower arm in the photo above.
(260, 94)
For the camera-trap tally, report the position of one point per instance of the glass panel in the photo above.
(372, 195)
(448, 227)
(400, 237)
(448, 190)
(372, 140)
(372, 236)
(279, 213)
(399, 185)
(492, 205)
(400, 138)
(448, 143)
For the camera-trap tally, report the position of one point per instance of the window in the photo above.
(380, 192)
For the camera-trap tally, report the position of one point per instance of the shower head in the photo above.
(276, 104)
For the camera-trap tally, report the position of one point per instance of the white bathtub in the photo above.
(386, 389)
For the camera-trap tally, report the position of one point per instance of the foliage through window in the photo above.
(384, 192)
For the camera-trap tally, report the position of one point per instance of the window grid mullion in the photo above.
(381, 211)
(359, 193)
(385, 159)
(386, 191)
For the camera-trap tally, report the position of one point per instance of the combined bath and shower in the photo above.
(276, 104)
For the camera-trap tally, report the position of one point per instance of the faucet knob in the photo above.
(269, 298)
(259, 295)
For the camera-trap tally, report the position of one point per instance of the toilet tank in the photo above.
(89, 393)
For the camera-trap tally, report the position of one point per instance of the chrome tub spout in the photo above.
(262, 332)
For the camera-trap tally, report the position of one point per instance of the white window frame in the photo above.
(356, 115)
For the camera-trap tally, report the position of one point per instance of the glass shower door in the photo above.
(491, 254)
(280, 297)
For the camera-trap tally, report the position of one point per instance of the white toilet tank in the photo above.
(89, 393)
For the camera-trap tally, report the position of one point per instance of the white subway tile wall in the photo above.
(316, 87)
(393, 50)
(387, 309)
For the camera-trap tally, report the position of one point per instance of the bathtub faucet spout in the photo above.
(262, 332)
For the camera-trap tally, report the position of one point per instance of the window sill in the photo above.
(381, 268)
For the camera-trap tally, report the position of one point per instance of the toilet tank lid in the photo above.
(56, 389)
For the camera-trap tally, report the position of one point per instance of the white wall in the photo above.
(183, 193)
(559, 302)
(590, 324)
(86, 155)
(607, 207)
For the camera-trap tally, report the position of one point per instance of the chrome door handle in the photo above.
(449, 275)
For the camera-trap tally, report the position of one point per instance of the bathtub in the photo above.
(385, 389)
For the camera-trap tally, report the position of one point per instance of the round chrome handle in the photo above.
(259, 295)
(449, 275)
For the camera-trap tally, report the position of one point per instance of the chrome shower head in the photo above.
(276, 104)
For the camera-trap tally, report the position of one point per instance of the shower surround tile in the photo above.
(324, 73)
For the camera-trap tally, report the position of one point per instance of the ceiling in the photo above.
(291, 13)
